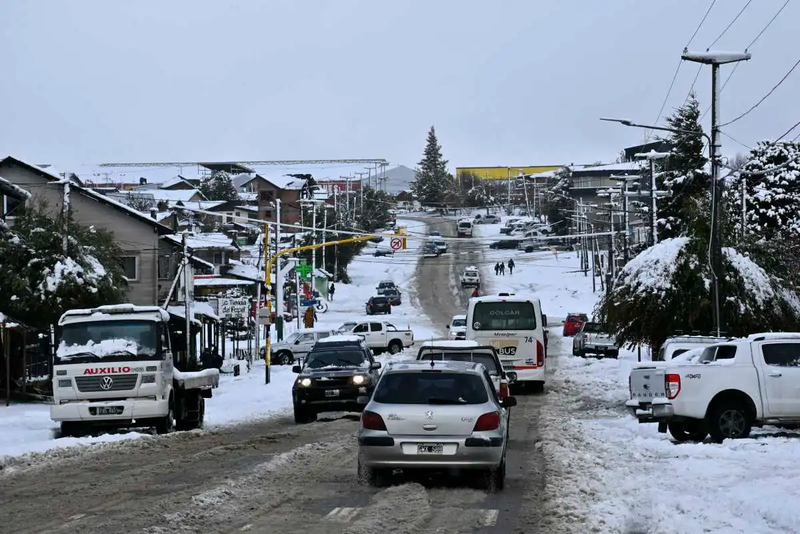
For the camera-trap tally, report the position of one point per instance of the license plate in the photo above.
(107, 410)
(331, 392)
(430, 448)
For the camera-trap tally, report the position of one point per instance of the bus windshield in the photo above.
(504, 316)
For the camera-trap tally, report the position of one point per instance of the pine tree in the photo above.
(685, 177)
(40, 281)
(433, 181)
(219, 187)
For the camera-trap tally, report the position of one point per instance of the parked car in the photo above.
(296, 345)
(471, 277)
(384, 285)
(394, 296)
(594, 339)
(457, 327)
(505, 244)
(379, 304)
(337, 371)
(574, 322)
(382, 336)
(418, 419)
(734, 386)
(486, 219)
(508, 225)
(436, 233)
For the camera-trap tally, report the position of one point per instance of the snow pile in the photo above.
(67, 271)
(652, 271)
(757, 281)
(102, 348)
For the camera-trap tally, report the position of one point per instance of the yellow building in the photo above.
(504, 173)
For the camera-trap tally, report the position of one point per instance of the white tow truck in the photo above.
(471, 277)
(731, 387)
(380, 336)
(123, 366)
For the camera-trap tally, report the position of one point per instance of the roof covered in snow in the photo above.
(13, 190)
(204, 241)
(606, 168)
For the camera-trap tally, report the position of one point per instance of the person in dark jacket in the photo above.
(331, 291)
(511, 266)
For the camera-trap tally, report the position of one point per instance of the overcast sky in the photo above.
(505, 83)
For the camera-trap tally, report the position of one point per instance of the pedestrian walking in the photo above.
(310, 317)
(502, 269)
(331, 291)
(511, 266)
(476, 293)
(497, 269)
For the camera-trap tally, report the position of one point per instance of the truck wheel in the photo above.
(70, 429)
(304, 415)
(729, 420)
(687, 430)
(166, 423)
(395, 347)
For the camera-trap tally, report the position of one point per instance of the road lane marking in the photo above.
(490, 517)
(342, 514)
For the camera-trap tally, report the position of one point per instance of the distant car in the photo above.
(594, 339)
(471, 277)
(574, 322)
(436, 233)
(450, 418)
(440, 244)
(379, 252)
(458, 327)
(394, 296)
(296, 345)
(431, 251)
(487, 219)
(379, 304)
(505, 244)
(337, 371)
(384, 285)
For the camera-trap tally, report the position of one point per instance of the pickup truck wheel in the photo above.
(687, 430)
(284, 357)
(304, 415)
(728, 420)
(395, 347)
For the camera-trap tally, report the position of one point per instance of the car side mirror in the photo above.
(375, 365)
(448, 327)
(512, 377)
(296, 369)
(508, 402)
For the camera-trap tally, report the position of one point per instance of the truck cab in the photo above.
(382, 336)
(114, 366)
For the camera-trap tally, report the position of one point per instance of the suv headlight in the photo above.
(148, 379)
(305, 382)
(359, 379)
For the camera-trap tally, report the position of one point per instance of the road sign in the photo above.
(233, 308)
(303, 269)
(396, 243)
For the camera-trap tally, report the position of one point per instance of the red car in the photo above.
(574, 323)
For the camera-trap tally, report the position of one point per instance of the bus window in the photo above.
(504, 316)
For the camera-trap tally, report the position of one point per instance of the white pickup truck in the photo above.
(733, 386)
(646, 380)
(471, 277)
(380, 336)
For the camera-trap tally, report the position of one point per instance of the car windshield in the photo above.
(386, 284)
(594, 328)
(379, 300)
(108, 341)
(346, 327)
(504, 316)
(336, 358)
(576, 319)
(431, 388)
(291, 338)
(464, 356)
(460, 322)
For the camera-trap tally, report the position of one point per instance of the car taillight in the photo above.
(585, 338)
(503, 390)
(488, 421)
(539, 353)
(372, 421)
(672, 383)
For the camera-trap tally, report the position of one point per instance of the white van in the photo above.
(514, 326)
(464, 228)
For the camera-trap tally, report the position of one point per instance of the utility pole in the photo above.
(525, 189)
(508, 183)
(652, 156)
(187, 305)
(324, 236)
(625, 179)
(65, 212)
(744, 204)
(715, 59)
(361, 189)
(314, 240)
(336, 227)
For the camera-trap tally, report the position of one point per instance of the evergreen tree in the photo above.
(684, 176)
(219, 187)
(433, 181)
(557, 201)
(40, 281)
(139, 202)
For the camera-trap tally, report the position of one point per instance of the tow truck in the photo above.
(127, 366)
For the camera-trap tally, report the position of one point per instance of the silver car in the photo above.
(436, 415)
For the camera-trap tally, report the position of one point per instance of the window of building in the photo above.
(130, 266)
(266, 196)
(267, 214)
(164, 267)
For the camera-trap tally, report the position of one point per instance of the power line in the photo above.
(764, 97)
(735, 140)
(728, 27)
(790, 131)
(701, 23)
(767, 26)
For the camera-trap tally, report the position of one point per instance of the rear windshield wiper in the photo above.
(78, 357)
(442, 400)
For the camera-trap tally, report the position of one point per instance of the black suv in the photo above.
(379, 304)
(337, 371)
(394, 296)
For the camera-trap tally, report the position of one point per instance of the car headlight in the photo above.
(305, 382)
(65, 382)
(148, 379)
(359, 379)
